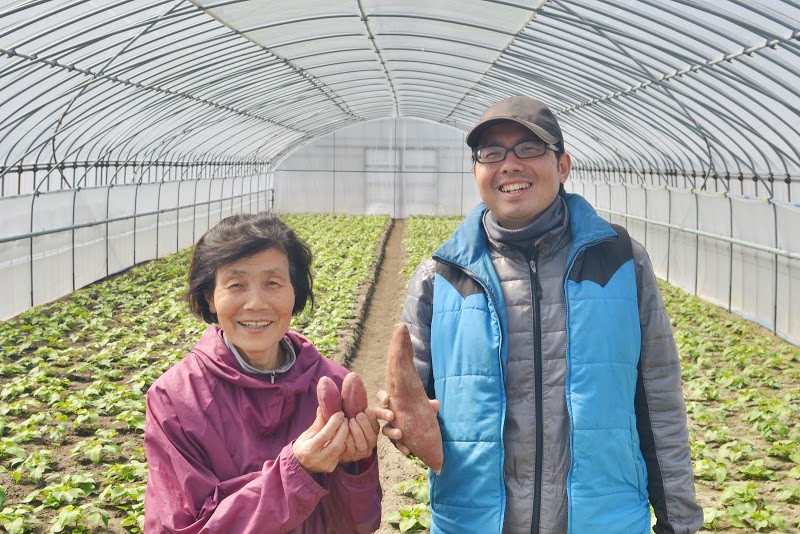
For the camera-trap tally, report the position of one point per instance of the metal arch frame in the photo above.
(757, 149)
(561, 114)
(130, 157)
(451, 86)
(603, 34)
(747, 51)
(615, 94)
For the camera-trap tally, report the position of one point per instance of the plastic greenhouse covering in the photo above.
(128, 127)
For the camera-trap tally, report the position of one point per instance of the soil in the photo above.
(380, 315)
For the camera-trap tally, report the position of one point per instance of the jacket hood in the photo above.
(218, 359)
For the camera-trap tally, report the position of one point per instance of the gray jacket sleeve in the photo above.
(417, 314)
(661, 412)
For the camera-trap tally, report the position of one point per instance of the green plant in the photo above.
(745, 507)
(19, 519)
(33, 467)
(410, 518)
(62, 489)
(417, 516)
(97, 448)
(79, 519)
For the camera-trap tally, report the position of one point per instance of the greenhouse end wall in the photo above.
(398, 167)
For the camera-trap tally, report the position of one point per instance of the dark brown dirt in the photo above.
(381, 314)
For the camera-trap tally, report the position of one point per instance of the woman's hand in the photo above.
(363, 436)
(320, 448)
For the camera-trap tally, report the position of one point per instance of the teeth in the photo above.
(254, 324)
(511, 188)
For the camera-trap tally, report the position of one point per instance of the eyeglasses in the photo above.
(524, 150)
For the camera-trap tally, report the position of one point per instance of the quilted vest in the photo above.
(607, 481)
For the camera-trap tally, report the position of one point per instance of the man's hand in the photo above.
(395, 435)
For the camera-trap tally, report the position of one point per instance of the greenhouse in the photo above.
(130, 128)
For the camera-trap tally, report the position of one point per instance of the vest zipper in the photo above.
(537, 371)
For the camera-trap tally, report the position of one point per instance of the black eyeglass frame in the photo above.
(475, 158)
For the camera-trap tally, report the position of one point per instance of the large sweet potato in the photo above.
(354, 395)
(413, 414)
(328, 397)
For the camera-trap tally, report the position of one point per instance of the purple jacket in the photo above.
(218, 444)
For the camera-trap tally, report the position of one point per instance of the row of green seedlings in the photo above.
(73, 376)
(742, 388)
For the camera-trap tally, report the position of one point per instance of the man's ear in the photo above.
(564, 167)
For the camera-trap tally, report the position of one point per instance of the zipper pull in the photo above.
(537, 287)
(272, 379)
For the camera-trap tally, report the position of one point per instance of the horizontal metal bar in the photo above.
(30, 235)
(747, 244)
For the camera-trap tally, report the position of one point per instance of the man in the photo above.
(540, 330)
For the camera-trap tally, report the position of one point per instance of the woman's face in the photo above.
(253, 299)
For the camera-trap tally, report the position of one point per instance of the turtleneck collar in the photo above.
(556, 215)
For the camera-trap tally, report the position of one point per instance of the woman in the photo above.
(234, 439)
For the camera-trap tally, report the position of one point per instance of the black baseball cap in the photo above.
(531, 113)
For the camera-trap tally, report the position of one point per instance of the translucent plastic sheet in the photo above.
(395, 167)
(122, 207)
(52, 254)
(81, 236)
(15, 262)
(788, 284)
(753, 271)
(657, 237)
(714, 256)
(682, 245)
(90, 243)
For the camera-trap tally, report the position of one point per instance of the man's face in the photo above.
(518, 190)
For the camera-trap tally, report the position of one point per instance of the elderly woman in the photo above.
(234, 438)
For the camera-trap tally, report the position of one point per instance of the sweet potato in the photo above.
(354, 395)
(328, 397)
(413, 414)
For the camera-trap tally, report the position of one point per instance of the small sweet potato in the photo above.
(328, 397)
(413, 414)
(354, 395)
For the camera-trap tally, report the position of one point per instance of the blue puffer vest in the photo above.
(607, 482)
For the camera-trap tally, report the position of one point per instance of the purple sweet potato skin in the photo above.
(413, 414)
(354, 395)
(328, 397)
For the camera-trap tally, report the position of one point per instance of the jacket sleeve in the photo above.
(661, 412)
(183, 496)
(417, 315)
(354, 503)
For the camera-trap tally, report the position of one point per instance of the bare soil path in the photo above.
(381, 314)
